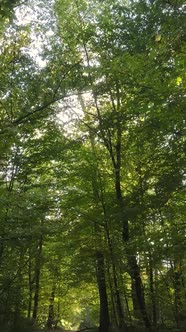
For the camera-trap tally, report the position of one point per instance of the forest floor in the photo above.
(129, 329)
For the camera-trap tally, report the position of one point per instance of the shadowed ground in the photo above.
(129, 329)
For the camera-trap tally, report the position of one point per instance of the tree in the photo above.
(128, 108)
(92, 160)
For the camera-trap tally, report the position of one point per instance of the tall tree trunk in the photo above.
(152, 291)
(177, 281)
(100, 265)
(119, 307)
(114, 149)
(136, 279)
(113, 315)
(37, 278)
(17, 308)
(30, 285)
(136, 313)
(104, 311)
(118, 301)
(1, 250)
(134, 269)
(131, 259)
(50, 320)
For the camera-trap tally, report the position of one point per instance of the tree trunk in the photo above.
(134, 299)
(18, 298)
(134, 269)
(100, 266)
(50, 320)
(119, 307)
(114, 148)
(1, 250)
(177, 281)
(152, 292)
(37, 279)
(30, 285)
(113, 315)
(104, 312)
(138, 288)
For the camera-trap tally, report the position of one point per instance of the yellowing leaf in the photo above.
(178, 80)
(157, 38)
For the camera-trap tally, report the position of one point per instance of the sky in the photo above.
(42, 23)
(38, 18)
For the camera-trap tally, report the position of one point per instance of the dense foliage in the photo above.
(92, 156)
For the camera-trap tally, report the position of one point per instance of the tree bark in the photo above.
(119, 306)
(114, 147)
(104, 311)
(152, 291)
(37, 279)
(113, 315)
(138, 287)
(18, 298)
(30, 285)
(134, 269)
(50, 320)
(177, 281)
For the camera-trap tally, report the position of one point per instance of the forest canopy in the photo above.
(92, 165)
